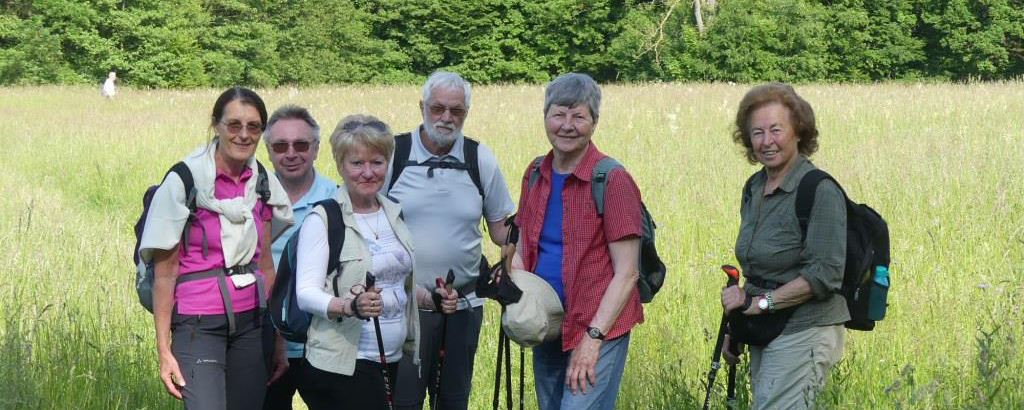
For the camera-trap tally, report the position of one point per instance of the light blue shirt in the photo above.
(321, 189)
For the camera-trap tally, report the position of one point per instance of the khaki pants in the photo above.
(790, 372)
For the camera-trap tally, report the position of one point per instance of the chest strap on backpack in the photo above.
(221, 274)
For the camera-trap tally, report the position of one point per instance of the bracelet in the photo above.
(771, 302)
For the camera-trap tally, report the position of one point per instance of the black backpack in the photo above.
(867, 246)
(403, 148)
(144, 271)
(652, 269)
(284, 312)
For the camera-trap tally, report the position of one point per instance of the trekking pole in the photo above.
(734, 278)
(447, 285)
(370, 280)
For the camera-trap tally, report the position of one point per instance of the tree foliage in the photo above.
(197, 43)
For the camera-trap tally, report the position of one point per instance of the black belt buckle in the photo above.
(236, 270)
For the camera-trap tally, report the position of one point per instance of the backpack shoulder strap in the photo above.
(805, 193)
(535, 171)
(335, 232)
(403, 147)
(262, 182)
(185, 175)
(599, 180)
(470, 151)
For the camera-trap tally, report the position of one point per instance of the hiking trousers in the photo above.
(221, 370)
(550, 364)
(789, 373)
(363, 390)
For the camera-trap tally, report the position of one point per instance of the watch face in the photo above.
(594, 333)
(762, 304)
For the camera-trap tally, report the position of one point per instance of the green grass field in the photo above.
(943, 163)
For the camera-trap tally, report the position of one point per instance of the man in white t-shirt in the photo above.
(445, 183)
(292, 138)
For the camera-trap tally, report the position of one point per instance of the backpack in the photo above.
(652, 270)
(284, 312)
(144, 270)
(867, 248)
(403, 148)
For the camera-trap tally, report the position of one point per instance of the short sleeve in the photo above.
(623, 216)
(497, 201)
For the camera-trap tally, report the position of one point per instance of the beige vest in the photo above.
(332, 345)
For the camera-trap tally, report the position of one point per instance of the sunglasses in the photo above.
(236, 127)
(298, 146)
(438, 109)
(352, 126)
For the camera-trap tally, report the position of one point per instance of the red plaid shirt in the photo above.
(586, 263)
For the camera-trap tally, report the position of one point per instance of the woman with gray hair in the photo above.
(590, 260)
(346, 359)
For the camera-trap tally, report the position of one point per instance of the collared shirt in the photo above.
(202, 297)
(769, 245)
(322, 188)
(586, 262)
(443, 212)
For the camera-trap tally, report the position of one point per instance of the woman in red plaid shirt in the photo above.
(590, 261)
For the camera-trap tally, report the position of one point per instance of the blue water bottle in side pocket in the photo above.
(879, 293)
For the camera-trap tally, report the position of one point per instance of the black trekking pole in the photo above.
(734, 278)
(447, 285)
(370, 280)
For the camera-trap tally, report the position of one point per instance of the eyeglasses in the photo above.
(236, 127)
(438, 109)
(282, 147)
(352, 126)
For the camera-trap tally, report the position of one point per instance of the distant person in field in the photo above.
(447, 183)
(591, 261)
(787, 276)
(292, 139)
(108, 89)
(210, 286)
(342, 368)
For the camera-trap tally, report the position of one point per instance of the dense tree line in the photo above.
(194, 43)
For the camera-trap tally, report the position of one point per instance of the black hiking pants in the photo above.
(221, 371)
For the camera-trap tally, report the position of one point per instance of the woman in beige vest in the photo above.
(345, 365)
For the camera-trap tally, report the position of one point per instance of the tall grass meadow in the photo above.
(944, 163)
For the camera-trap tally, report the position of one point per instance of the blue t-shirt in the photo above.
(549, 252)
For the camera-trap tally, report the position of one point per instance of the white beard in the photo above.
(442, 140)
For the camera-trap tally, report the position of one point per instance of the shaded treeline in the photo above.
(199, 43)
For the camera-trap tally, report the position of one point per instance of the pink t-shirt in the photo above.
(202, 297)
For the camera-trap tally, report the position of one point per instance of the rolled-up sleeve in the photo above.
(824, 253)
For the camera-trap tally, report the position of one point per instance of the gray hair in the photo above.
(292, 112)
(446, 79)
(367, 130)
(572, 89)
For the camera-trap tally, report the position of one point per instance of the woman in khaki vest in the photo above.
(343, 366)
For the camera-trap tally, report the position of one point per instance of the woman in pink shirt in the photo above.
(213, 266)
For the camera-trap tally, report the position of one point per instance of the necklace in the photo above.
(377, 218)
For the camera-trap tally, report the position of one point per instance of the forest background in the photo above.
(267, 43)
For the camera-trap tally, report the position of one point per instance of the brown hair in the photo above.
(800, 114)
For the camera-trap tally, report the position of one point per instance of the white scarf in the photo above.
(238, 234)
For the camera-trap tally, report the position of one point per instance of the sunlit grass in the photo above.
(943, 163)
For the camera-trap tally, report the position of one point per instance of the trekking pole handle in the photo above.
(733, 273)
(370, 280)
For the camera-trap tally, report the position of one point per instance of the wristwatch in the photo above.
(765, 303)
(595, 333)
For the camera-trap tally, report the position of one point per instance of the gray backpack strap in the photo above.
(599, 180)
(535, 171)
(222, 285)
